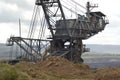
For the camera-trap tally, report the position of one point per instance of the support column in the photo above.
(78, 50)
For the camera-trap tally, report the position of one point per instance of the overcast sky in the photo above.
(12, 10)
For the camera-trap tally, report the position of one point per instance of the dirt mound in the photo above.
(62, 67)
(54, 67)
(57, 68)
(108, 73)
(55, 62)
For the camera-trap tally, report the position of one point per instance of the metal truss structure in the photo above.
(66, 34)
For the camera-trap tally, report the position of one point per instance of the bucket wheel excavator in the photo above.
(66, 34)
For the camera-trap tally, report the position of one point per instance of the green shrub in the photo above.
(7, 72)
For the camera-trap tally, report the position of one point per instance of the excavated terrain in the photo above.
(57, 68)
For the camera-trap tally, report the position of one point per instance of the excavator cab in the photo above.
(98, 20)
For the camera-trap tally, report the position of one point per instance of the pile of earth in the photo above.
(57, 68)
(108, 73)
(53, 68)
(62, 67)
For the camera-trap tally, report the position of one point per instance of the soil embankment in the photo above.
(57, 68)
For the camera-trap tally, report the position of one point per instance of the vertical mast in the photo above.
(19, 27)
(88, 10)
(89, 6)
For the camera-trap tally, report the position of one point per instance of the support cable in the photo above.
(69, 9)
(41, 28)
(78, 4)
(71, 5)
(34, 10)
(33, 23)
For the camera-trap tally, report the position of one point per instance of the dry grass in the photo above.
(57, 68)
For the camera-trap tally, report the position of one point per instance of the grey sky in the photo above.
(12, 10)
(24, 4)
